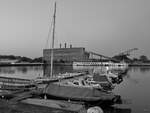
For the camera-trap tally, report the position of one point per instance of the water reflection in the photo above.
(57, 69)
(7, 70)
(142, 69)
(22, 69)
(29, 72)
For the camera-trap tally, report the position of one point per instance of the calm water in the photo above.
(134, 90)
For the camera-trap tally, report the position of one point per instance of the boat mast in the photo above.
(53, 36)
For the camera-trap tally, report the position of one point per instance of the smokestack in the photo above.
(65, 45)
(60, 45)
(70, 45)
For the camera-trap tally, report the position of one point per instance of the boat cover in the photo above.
(77, 92)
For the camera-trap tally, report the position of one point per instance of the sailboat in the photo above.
(66, 89)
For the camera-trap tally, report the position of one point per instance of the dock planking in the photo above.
(57, 104)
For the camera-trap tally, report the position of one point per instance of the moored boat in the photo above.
(97, 63)
(11, 83)
(79, 93)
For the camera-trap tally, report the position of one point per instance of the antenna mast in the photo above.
(53, 37)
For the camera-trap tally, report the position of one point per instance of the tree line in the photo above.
(142, 58)
(21, 59)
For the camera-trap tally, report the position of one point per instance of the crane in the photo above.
(97, 54)
(123, 56)
(127, 53)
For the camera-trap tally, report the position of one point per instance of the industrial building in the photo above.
(66, 55)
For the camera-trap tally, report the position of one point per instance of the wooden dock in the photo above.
(57, 104)
(28, 99)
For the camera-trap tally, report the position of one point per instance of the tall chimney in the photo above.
(70, 45)
(60, 45)
(65, 45)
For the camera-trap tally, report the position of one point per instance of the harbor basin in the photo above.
(134, 89)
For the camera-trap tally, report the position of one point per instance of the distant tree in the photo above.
(40, 59)
(135, 59)
(143, 58)
(21, 59)
(12, 57)
(25, 59)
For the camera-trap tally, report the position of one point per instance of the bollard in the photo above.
(95, 109)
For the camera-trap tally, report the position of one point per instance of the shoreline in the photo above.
(23, 64)
(61, 64)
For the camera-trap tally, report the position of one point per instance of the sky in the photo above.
(107, 27)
